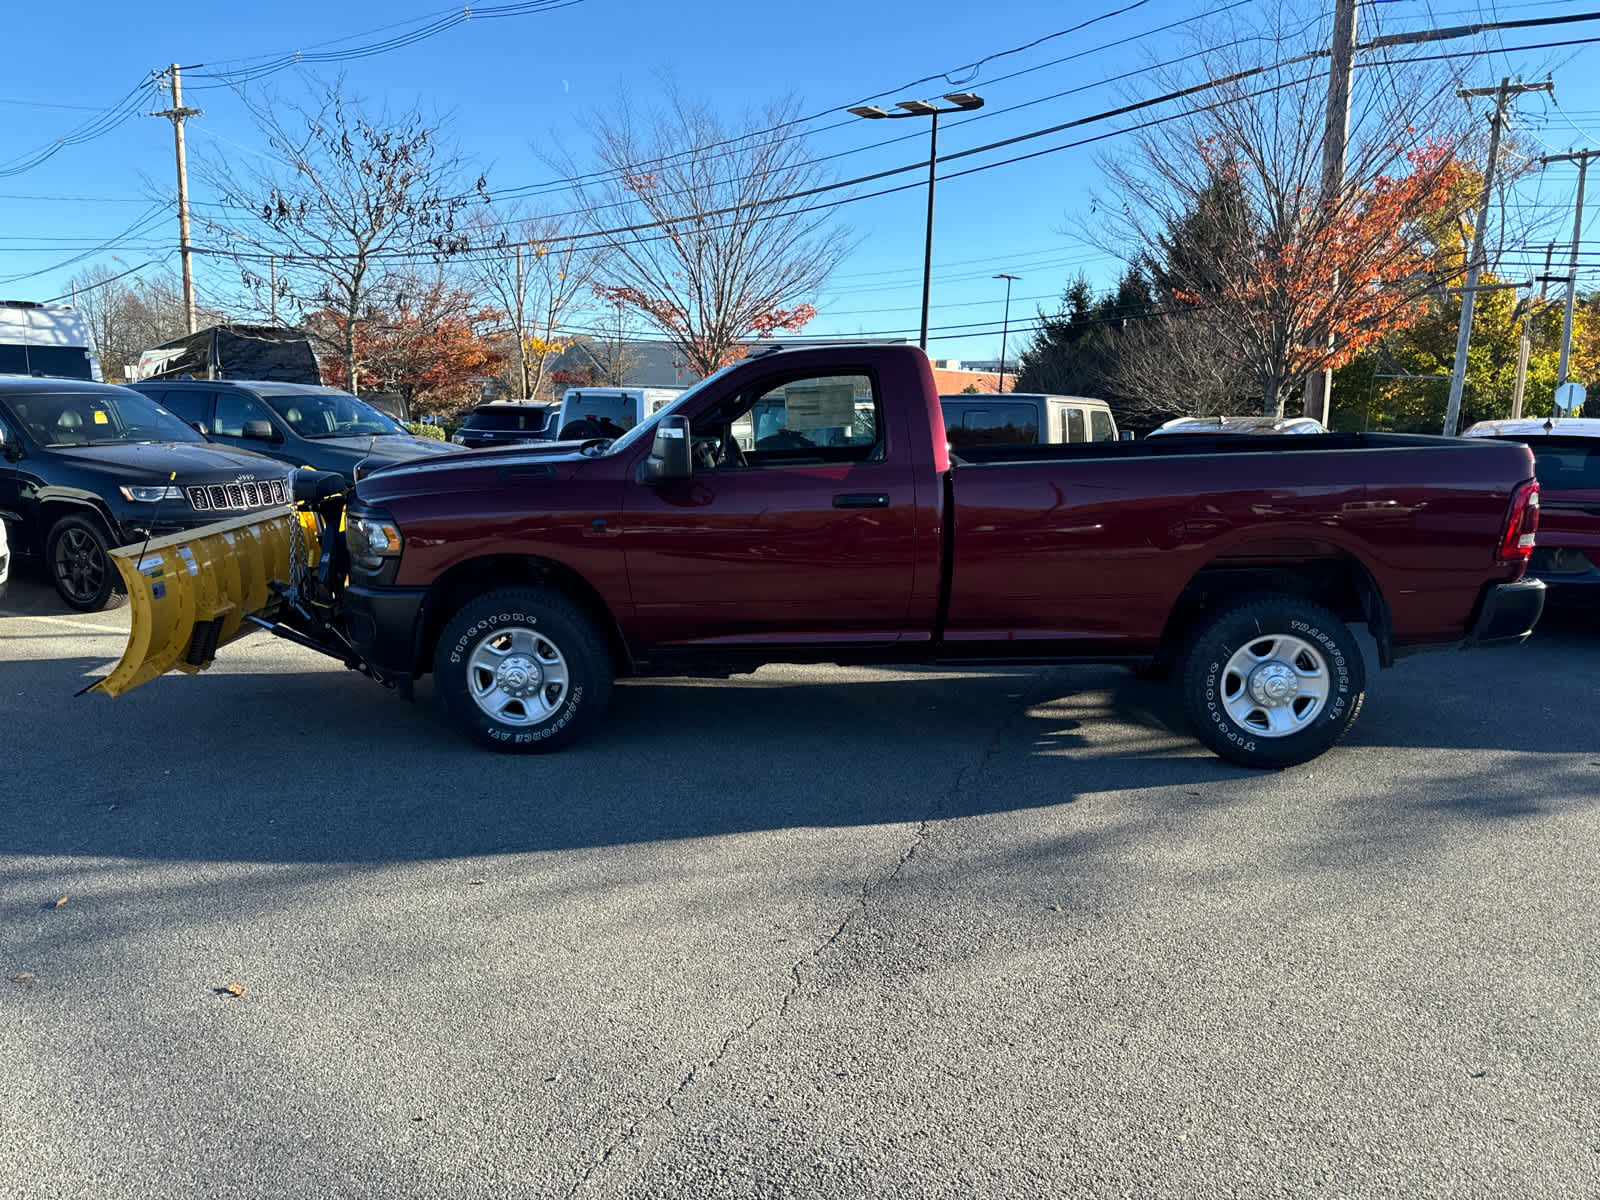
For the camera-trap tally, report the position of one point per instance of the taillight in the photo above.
(1522, 523)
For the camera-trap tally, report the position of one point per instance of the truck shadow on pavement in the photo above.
(323, 766)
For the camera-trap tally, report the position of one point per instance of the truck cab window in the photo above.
(1101, 428)
(835, 418)
(1072, 426)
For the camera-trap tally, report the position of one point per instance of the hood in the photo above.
(473, 470)
(156, 462)
(388, 447)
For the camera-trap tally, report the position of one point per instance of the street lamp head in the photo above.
(868, 110)
(1003, 275)
(964, 99)
(920, 107)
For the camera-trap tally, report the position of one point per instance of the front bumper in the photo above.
(1508, 614)
(382, 623)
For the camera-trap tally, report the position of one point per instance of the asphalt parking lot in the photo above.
(811, 933)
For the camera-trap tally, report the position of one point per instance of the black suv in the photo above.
(86, 466)
(507, 423)
(298, 423)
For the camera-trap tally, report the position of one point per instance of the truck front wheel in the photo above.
(523, 670)
(1272, 681)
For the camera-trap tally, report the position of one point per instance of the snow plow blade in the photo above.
(190, 593)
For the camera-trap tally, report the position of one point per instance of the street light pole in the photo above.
(962, 102)
(1005, 326)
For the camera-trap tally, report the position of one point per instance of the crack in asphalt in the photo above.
(857, 908)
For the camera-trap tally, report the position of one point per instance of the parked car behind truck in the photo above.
(86, 467)
(1025, 419)
(304, 425)
(1567, 460)
(526, 582)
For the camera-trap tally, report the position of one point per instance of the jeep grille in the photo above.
(217, 497)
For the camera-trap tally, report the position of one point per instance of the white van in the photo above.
(45, 339)
(623, 407)
(1025, 418)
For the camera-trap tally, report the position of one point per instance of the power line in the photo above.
(432, 28)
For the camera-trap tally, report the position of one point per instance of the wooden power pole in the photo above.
(1458, 377)
(1335, 138)
(178, 114)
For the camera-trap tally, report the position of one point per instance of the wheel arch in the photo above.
(1328, 574)
(472, 578)
(52, 509)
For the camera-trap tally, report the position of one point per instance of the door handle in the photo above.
(861, 500)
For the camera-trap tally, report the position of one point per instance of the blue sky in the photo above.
(514, 85)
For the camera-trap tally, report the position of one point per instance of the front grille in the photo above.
(219, 497)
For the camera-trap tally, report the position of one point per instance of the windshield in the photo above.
(330, 415)
(116, 416)
(646, 429)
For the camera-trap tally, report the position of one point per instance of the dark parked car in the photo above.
(297, 423)
(507, 423)
(1566, 455)
(85, 467)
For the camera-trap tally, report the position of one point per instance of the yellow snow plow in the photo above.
(193, 592)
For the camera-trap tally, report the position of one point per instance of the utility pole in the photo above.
(178, 114)
(1458, 377)
(1525, 343)
(1335, 138)
(272, 288)
(1581, 157)
(1005, 325)
(522, 342)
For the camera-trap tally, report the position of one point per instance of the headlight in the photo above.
(371, 539)
(150, 495)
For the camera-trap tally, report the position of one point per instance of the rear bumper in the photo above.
(1508, 614)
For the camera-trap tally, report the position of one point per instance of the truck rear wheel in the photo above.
(1272, 681)
(523, 670)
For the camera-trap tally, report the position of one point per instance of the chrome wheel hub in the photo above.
(1272, 684)
(1275, 685)
(517, 676)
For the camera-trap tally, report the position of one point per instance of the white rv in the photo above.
(45, 339)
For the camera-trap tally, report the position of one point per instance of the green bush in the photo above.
(436, 432)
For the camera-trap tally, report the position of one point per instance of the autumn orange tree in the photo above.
(427, 347)
(1223, 208)
(703, 234)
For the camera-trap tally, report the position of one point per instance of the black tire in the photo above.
(77, 555)
(1270, 716)
(534, 634)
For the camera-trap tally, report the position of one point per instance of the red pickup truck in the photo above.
(803, 506)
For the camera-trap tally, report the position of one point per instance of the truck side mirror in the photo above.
(261, 431)
(1125, 435)
(670, 457)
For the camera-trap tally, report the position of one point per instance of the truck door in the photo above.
(798, 527)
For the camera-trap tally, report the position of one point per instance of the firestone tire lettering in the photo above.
(1250, 619)
(561, 621)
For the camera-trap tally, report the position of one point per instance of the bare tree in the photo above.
(537, 276)
(351, 197)
(706, 236)
(127, 316)
(1223, 207)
